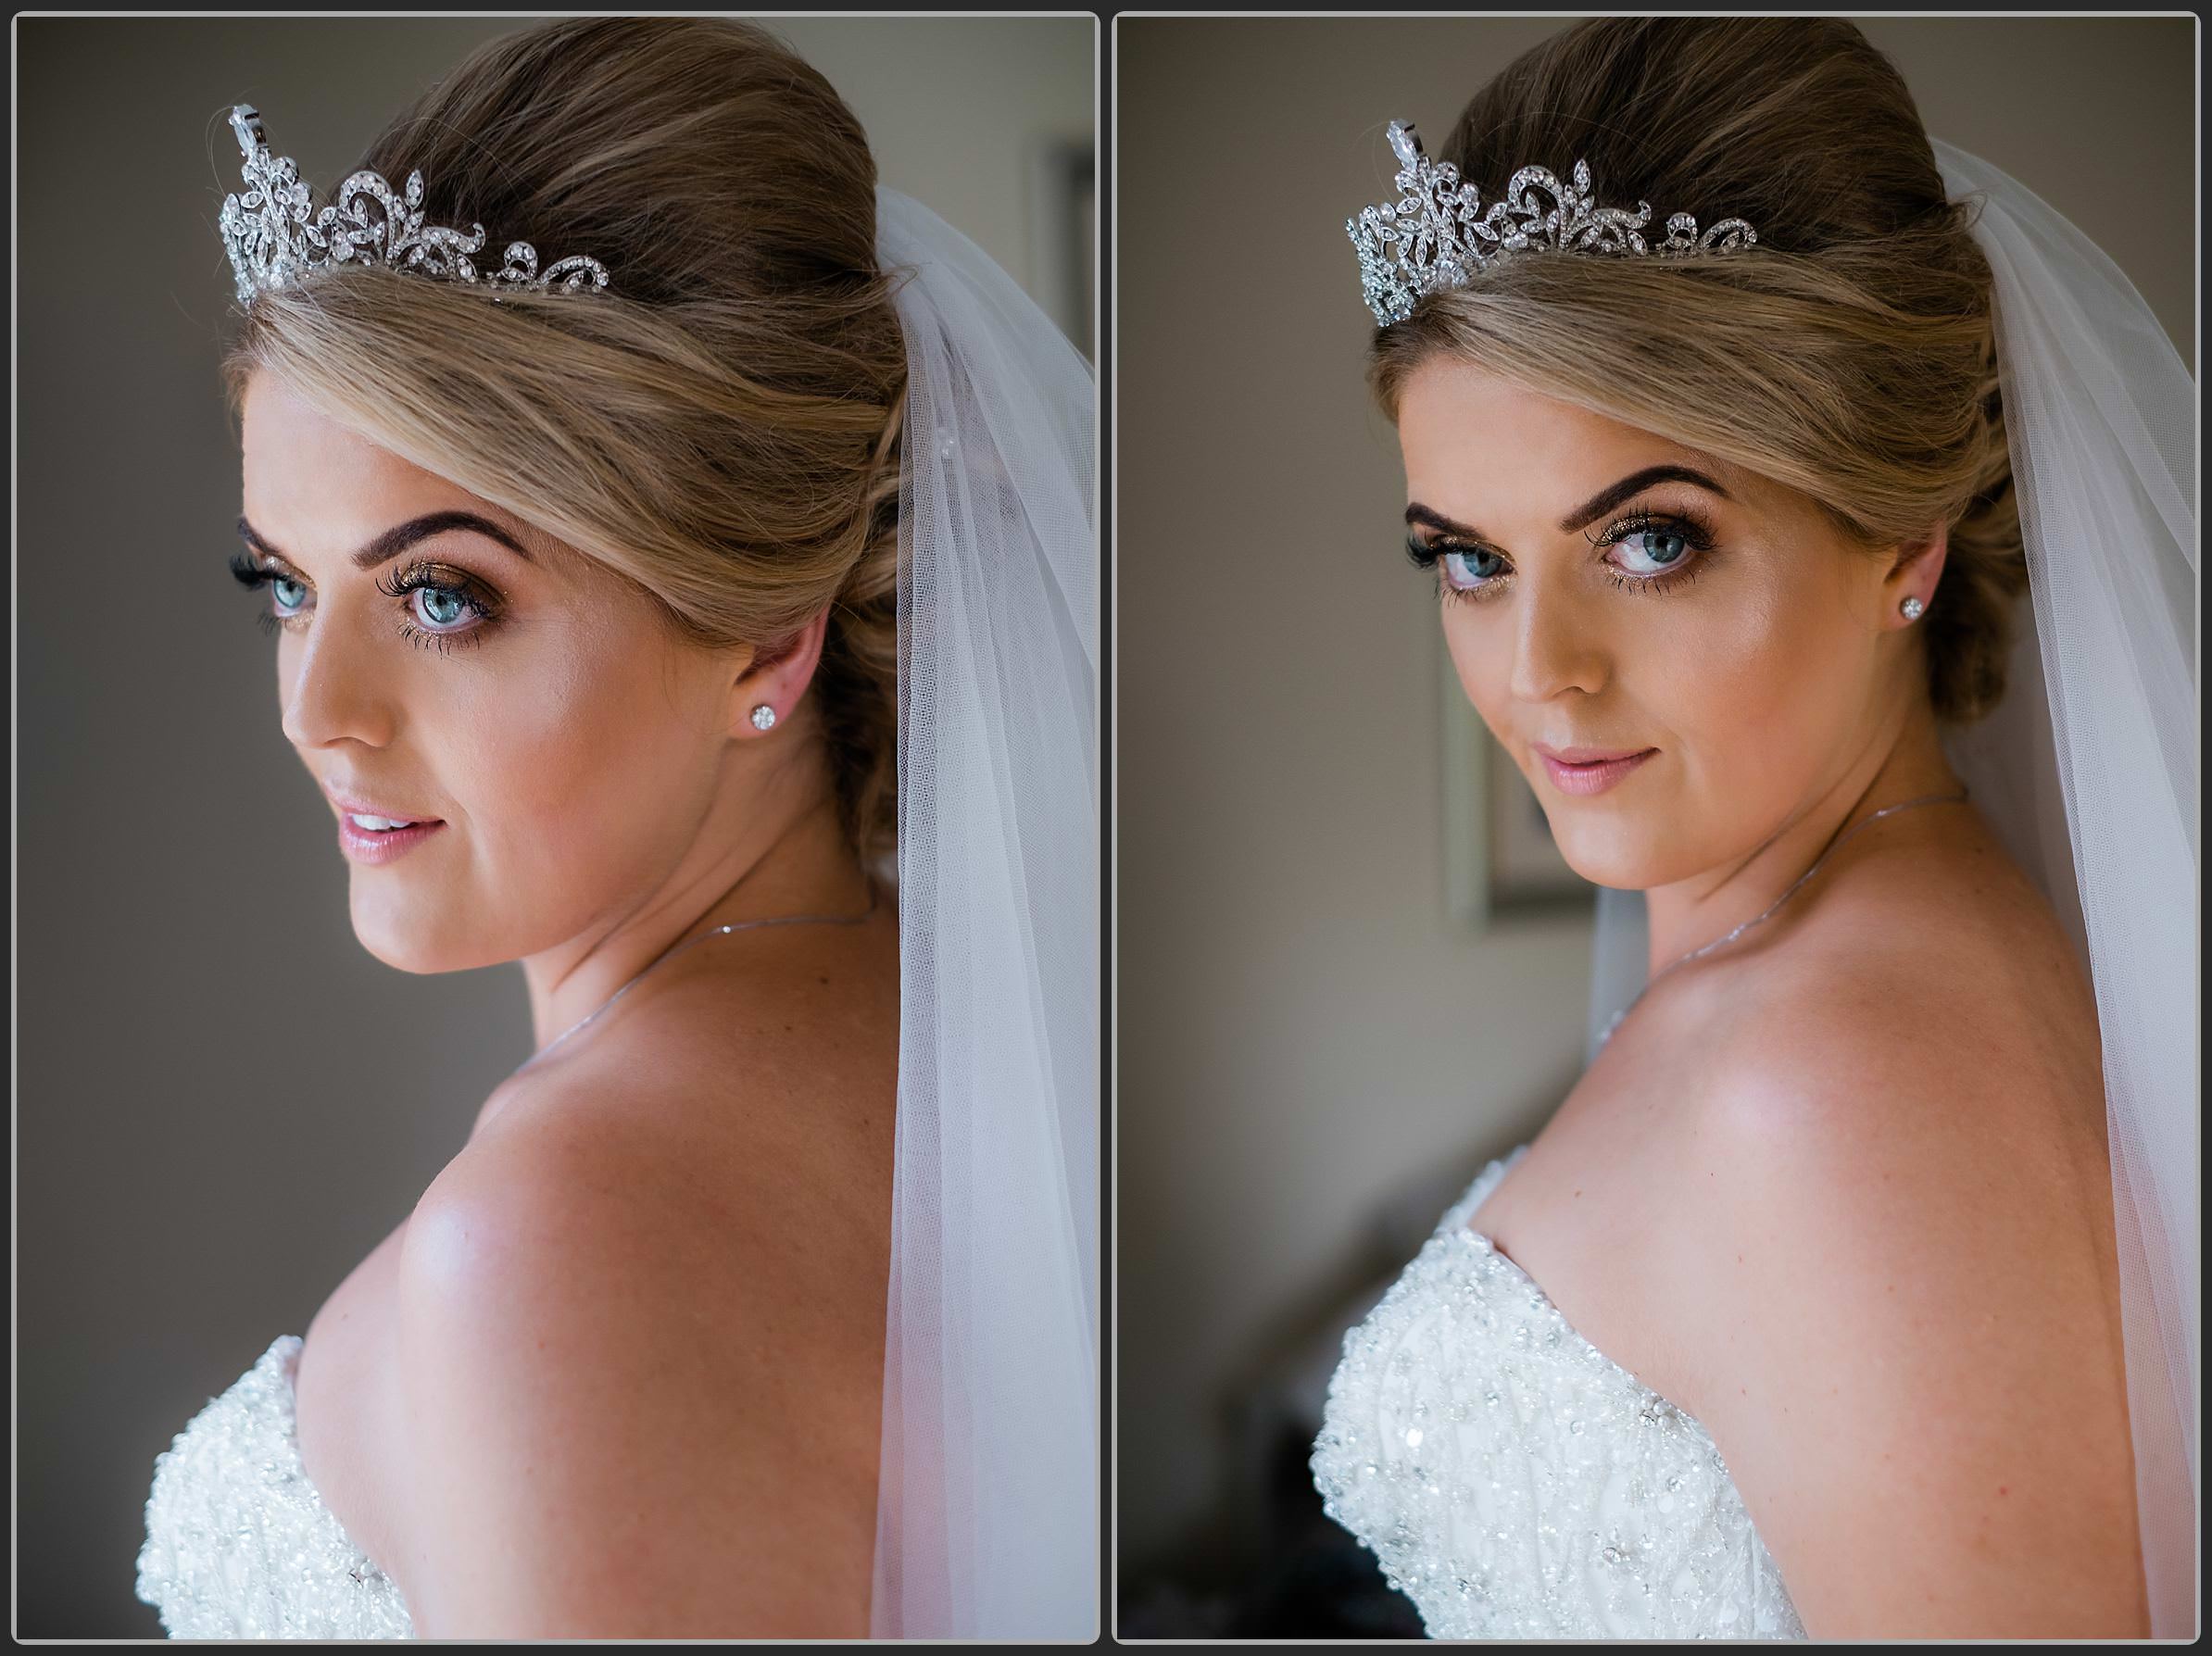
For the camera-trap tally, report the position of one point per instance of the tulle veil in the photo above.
(987, 1508)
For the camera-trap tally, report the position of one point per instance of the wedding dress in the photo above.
(1515, 1482)
(239, 1544)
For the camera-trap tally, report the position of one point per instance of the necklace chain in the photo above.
(1834, 845)
(669, 953)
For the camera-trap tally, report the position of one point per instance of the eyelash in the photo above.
(422, 574)
(1696, 533)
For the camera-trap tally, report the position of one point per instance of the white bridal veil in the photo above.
(987, 1514)
(2088, 770)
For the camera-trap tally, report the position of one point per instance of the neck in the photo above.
(777, 850)
(1901, 760)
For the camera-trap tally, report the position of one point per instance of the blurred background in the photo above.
(1347, 975)
(222, 1101)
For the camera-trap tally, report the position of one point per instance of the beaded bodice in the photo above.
(1515, 1482)
(239, 1544)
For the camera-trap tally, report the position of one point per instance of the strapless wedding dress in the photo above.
(239, 1544)
(1515, 1482)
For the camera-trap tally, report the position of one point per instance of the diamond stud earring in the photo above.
(1912, 608)
(763, 717)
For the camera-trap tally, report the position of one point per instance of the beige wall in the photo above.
(958, 110)
(1300, 1032)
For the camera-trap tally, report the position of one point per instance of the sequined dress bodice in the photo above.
(1515, 1482)
(239, 1544)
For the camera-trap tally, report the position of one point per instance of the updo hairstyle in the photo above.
(721, 424)
(1849, 354)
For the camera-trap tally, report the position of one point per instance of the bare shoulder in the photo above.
(1929, 1008)
(640, 1324)
(1911, 1330)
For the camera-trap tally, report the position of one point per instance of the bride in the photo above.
(704, 620)
(1851, 1292)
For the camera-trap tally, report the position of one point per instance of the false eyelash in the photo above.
(422, 573)
(1644, 585)
(252, 574)
(1427, 557)
(1685, 523)
(1431, 556)
(248, 573)
(1695, 530)
(446, 578)
(443, 643)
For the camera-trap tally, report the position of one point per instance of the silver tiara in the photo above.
(1415, 244)
(274, 237)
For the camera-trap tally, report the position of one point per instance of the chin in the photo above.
(1610, 851)
(406, 943)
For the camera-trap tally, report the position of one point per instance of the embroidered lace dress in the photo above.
(239, 1544)
(1514, 1482)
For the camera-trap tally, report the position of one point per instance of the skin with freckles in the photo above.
(1839, 1190)
(619, 1373)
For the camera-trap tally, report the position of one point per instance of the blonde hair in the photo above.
(1849, 355)
(722, 424)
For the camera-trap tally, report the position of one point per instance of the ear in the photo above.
(1917, 568)
(775, 680)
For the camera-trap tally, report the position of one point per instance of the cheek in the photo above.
(1760, 690)
(585, 766)
(582, 767)
(1751, 682)
(1479, 649)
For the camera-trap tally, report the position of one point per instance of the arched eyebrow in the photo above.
(1591, 511)
(400, 536)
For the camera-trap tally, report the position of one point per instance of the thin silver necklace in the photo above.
(1833, 845)
(669, 953)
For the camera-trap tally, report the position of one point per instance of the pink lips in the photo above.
(1588, 770)
(368, 845)
(374, 846)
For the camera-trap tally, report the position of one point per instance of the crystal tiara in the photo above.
(274, 237)
(1416, 245)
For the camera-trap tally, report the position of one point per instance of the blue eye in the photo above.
(1467, 567)
(1654, 549)
(1663, 549)
(444, 604)
(287, 593)
(440, 606)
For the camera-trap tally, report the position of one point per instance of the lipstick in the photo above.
(380, 846)
(376, 833)
(1584, 770)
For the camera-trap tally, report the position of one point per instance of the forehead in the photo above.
(282, 434)
(307, 480)
(1481, 448)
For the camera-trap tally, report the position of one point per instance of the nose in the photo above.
(1556, 648)
(331, 689)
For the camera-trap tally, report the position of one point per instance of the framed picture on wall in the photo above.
(1501, 864)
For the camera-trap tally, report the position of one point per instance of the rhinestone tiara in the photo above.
(275, 237)
(1416, 245)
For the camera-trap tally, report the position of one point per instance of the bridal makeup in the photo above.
(373, 838)
(1659, 640)
(1586, 770)
(482, 707)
